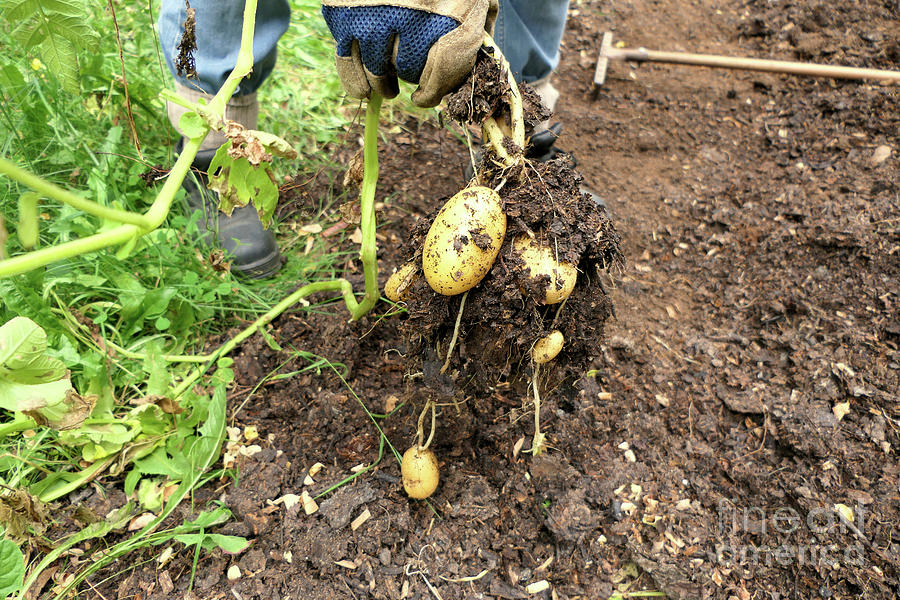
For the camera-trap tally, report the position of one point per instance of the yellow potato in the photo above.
(546, 348)
(540, 261)
(419, 471)
(397, 285)
(463, 241)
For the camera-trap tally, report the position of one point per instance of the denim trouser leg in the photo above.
(218, 33)
(528, 33)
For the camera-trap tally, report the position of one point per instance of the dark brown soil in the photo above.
(747, 385)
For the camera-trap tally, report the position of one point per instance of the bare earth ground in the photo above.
(749, 382)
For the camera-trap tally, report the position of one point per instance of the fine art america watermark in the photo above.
(823, 537)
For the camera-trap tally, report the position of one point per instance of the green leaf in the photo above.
(27, 230)
(230, 544)
(158, 463)
(22, 359)
(150, 494)
(131, 481)
(11, 79)
(59, 54)
(24, 9)
(58, 29)
(153, 421)
(12, 568)
(192, 125)
(209, 518)
(155, 367)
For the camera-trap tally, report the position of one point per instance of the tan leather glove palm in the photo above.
(429, 42)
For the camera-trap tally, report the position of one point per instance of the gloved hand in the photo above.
(429, 42)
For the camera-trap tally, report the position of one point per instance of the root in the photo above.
(420, 432)
(462, 304)
(538, 442)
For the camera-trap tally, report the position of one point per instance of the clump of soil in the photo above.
(484, 93)
(504, 315)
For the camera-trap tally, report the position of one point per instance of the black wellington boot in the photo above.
(251, 248)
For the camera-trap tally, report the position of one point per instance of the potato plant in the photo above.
(512, 263)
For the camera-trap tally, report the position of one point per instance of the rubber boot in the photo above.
(251, 248)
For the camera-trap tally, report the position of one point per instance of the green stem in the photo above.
(368, 254)
(39, 258)
(20, 424)
(517, 112)
(159, 210)
(50, 190)
(368, 251)
(341, 285)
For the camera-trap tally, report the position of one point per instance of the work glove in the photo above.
(429, 42)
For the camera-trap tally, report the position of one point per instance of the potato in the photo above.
(419, 471)
(397, 285)
(546, 348)
(540, 260)
(463, 241)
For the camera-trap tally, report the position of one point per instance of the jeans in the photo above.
(527, 31)
(218, 36)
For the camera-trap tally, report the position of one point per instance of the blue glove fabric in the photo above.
(374, 28)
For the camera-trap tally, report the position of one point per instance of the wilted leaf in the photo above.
(239, 183)
(36, 384)
(165, 403)
(68, 414)
(256, 146)
(19, 510)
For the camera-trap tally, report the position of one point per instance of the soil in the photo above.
(741, 401)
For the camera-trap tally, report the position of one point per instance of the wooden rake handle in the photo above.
(751, 64)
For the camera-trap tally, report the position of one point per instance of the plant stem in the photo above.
(368, 252)
(38, 258)
(515, 96)
(341, 285)
(20, 424)
(159, 210)
(491, 131)
(53, 191)
(537, 443)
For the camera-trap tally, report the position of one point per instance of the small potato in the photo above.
(546, 348)
(397, 285)
(539, 260)
(419, 471)
(464, 240)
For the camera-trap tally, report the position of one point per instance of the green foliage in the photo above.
(34, 383)
(57, 30)
(119, 325)
(12, 568)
